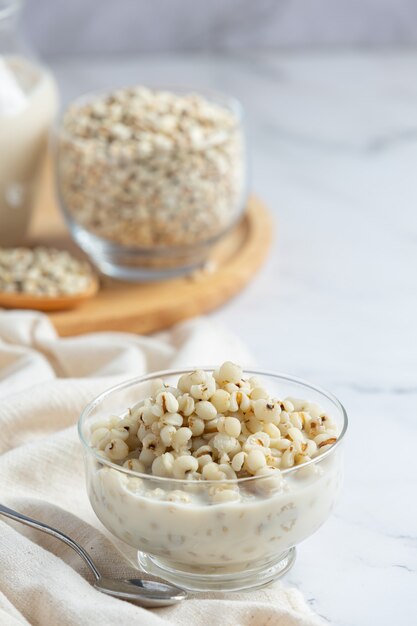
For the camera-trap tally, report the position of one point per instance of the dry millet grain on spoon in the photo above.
(42, 272)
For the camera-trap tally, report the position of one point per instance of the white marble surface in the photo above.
(334, 155)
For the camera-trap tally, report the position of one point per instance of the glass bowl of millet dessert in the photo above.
(214, 474)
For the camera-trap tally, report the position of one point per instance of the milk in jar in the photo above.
(28, 102)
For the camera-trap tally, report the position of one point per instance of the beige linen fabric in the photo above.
(44, 383)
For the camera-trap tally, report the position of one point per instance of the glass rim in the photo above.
(230, 481)
(8, 8)
(221, 98)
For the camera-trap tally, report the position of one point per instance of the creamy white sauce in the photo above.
(203, 537)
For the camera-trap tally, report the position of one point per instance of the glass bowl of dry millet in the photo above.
(150, 179)
(214, 475)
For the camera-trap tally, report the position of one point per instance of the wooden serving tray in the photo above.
(148, 307)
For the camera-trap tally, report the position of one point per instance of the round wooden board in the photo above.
(148, 307)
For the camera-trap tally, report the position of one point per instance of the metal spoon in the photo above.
(148, 593)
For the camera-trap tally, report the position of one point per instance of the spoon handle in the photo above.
(28, 521)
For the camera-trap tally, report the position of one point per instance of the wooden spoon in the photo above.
(48, 303)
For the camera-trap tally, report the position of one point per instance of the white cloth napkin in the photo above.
(45, 381)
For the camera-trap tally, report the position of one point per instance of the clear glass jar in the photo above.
(181, 533)
(28, 103)
(139, 200)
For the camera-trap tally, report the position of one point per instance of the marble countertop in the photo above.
(333, 142)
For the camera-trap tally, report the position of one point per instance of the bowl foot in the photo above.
(249, 578)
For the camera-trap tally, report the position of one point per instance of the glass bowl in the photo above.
(144, 213)
(180, 534)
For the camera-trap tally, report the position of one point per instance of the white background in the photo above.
(108, 26)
